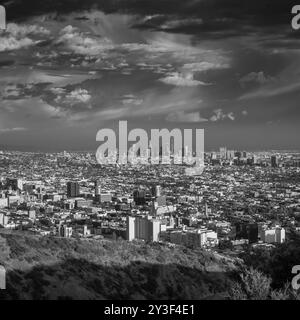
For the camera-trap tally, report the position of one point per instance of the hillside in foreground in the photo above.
(57, 268)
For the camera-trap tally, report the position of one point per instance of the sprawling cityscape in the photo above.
(241, 198)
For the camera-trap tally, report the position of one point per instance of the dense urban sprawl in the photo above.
(240, 199)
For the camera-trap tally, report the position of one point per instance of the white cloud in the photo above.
(8, 130)
(24, 30)
(204, 66)
(78, 96)
(181, 116)
(231, 116)
(17, 36)
(181, 23)
(182, 80)
(219, 115)
(58, 91)
(10, 43)
(11, 90)
(131, 99)
(81, 43)
(256, 77)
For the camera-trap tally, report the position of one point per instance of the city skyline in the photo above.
(30, 149)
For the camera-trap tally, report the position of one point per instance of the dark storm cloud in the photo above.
(21, 91)
(213, 18)
(6, 63)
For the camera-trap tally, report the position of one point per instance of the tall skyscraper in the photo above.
(156, 191)
(130, 230)
(274, 162)
(206, 210)
(73, 189)
(230, 154)
(254, 159)
(153, 230)
(97, 187)
(223, 153)
(139, 197)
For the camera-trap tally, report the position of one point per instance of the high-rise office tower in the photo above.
(97, 187)
(156, 191)
(223, 153)
(274, 162)
(73, 189)
(130, 230)
(153, 230)
(139, 197)
(254, 159)
(238, 154)
(206, 210)
(230, 154)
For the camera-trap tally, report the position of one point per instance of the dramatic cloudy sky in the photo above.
(70, 67)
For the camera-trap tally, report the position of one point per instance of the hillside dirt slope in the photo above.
(56, 268)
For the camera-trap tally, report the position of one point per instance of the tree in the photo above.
(226, 244)
(252, 285)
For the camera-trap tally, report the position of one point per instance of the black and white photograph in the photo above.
(149, 150)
